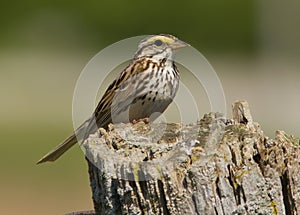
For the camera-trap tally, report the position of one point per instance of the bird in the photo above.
(146, 86)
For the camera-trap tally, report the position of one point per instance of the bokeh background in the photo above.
(253, 46)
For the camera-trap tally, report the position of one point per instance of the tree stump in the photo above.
(215, 166)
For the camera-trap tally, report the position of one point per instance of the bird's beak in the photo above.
(178, 44)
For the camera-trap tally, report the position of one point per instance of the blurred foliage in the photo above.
(217, 25)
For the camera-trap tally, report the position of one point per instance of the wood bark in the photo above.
(215, 166)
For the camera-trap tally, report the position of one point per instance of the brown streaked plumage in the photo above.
(147, 85)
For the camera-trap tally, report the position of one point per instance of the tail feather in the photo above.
(60, 149)
(66, 144)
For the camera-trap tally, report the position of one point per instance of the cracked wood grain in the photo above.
(215, 166)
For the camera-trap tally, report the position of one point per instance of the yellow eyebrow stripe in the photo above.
(162, 38)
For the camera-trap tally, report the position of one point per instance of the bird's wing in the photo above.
(118, 96)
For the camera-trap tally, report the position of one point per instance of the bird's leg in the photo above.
(145, 120)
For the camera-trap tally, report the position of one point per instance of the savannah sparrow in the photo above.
(147, 85)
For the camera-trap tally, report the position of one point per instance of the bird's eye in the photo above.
(158, 42)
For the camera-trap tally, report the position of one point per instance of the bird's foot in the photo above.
(144, 120)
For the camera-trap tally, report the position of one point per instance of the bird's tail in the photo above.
(60, 149)
(65, 145)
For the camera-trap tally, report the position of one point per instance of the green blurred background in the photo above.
(253, 46)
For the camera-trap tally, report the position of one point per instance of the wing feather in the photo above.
(119, 95)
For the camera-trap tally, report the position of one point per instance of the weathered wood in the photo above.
(215, 166)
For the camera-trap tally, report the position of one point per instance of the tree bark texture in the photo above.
(214, 166)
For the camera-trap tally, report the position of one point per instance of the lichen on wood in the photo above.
(214, 166)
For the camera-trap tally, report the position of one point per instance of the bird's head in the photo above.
(161, 46)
